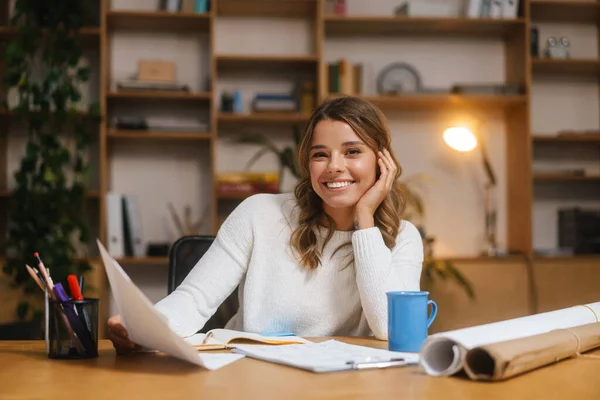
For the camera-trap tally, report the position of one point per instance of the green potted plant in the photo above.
(43, 66)
(433, 269)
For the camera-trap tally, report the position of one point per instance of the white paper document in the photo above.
(444, 353)
(328, 356)
(146, 327)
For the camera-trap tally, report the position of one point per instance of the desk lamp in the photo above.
(463, 139)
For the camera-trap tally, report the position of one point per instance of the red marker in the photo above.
(74, 287)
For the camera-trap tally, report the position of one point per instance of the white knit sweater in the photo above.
(277, 294)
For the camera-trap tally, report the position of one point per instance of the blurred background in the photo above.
(170, 112)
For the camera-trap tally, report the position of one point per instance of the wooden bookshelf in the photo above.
(425, 101)
(262, 117)
(415, 26)
(566, 66)
(159, 95)
(568, 138)
(565, 177)
(267, 8)
(186, 22)
(266, 62)
(565, 11)
(158, 135)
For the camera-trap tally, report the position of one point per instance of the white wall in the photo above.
(454, 204)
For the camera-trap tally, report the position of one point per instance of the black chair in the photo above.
(183, 256)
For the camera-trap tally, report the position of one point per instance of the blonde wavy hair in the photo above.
(369, 123)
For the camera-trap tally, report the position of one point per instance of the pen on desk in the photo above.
(394, 362)
(208, 336)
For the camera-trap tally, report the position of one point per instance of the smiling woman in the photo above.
(316, 262)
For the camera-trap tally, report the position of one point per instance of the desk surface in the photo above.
(27, 373)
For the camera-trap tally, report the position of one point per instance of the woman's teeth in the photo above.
(338, 184)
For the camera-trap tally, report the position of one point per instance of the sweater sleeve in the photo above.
(380, 270)
(214, 277)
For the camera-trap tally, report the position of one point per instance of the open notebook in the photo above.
(228, 338)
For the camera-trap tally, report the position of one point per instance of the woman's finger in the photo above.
(383, 170)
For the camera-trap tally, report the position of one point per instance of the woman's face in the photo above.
(342, 167)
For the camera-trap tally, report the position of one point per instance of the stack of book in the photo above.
(243, 184)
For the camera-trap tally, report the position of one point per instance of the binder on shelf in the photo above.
(114, 225)
(132, 225)
(124, 226)
(510, 8)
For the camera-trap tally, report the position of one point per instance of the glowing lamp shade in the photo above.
(460, 138)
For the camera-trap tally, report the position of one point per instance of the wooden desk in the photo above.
(27, 373)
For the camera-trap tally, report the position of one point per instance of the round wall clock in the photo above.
(398, 78)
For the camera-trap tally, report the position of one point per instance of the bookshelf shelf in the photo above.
(565, 11)
(159, 95)
(424, 101)
(143, 260)
(414, 26)
(569, 138)
(158, 135)
(267, 8)
(186, 22)
(567, 66)
(565, 177)
(262, 117)
(91, 194)
(266, 62)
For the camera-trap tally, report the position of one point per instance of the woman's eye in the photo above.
(353, 151)
(319, 155)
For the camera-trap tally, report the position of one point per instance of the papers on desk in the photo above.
(328, 356)
(146, 327)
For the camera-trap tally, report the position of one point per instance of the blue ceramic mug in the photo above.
(407, 320)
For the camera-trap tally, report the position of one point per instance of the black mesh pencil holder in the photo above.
(72, 328)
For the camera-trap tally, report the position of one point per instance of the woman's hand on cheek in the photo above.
(368, 203)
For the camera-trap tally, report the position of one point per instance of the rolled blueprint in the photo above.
(443, 353)
(499, 361)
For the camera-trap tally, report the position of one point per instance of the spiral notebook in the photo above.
(328, 356)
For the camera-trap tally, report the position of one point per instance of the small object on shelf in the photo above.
(264, 102)
(534, 45)
(557, 48)
(185, 225)
(134, 84)
(487, 89)
(397, 79)
(170, 5)
(402, 10)
(238, 107)
(339, 7)
(226, 102)
(131, 123)
(201, 6)
(156, 71)
(307, 98)
(157, 250)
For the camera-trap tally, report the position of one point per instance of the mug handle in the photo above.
(434, 309)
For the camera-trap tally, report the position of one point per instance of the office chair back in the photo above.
(183, 256)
